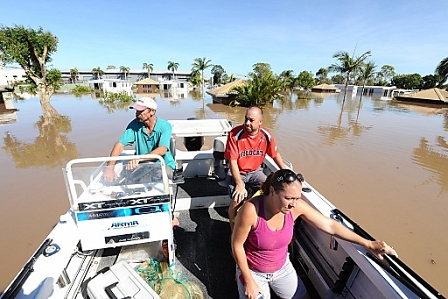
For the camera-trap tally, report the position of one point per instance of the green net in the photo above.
(168, 283)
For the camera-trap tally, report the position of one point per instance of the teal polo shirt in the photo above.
(136, 133)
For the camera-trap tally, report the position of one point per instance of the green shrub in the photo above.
(81, 89)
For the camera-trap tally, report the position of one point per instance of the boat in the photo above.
(115, 234)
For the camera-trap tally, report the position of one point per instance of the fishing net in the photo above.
(168, 283)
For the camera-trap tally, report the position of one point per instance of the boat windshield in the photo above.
(87, 183)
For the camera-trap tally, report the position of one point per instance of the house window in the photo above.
(114, 84)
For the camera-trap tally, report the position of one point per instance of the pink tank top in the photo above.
(267, 250)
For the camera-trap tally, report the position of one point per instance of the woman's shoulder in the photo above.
(251, 205)
(254, 204)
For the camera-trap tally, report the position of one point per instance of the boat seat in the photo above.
(178, 176)
(219, 165)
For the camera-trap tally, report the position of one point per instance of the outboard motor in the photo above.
(193, 143)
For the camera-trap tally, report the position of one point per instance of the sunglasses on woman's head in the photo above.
(289, 177)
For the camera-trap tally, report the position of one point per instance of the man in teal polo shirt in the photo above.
(150, 134)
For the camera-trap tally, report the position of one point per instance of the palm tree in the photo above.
(97, 72)
(201, 64)
(149, 67)
(366, 73)
(172, 66)
(74, 74)
(125, 70)
(442, 71)
(347, 65)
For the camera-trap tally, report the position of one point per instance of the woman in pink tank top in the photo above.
(264, 229)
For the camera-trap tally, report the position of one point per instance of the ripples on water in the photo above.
(384, 164)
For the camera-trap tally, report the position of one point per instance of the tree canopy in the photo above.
(442, 71)
(347, 66)
(201, 64)
(259, 91)
(173, 66)
(32, 50)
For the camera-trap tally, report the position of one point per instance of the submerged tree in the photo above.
(261, 69)
(218, 73)
(195, 79)
(201, 64)
(305, 80)
(347, 65)
(322, 76)
(366, 74)
(32, 50)
(259, 91)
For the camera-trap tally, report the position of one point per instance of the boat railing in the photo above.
(394, 266)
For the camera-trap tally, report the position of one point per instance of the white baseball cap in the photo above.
(144, 103)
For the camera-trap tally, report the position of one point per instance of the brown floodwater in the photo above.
(383, 164)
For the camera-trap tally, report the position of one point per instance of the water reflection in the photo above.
(50, 148)
(7, 116)
(428, 156)
(332, 133)
(111, 107)
(424, 109)
(8, 113)
(233, 114)
(303, 103)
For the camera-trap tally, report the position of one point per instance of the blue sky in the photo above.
(412, 35)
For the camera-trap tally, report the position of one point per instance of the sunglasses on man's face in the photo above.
(290, 177)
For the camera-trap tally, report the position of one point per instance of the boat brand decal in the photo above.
(129, 202)
(124, 212)
(126, 237)
(125, 224)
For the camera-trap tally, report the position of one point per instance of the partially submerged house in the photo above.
(383, 92)
(112, 85)
(225, 93)
(147, 85)
(325, 88)
(432, 95)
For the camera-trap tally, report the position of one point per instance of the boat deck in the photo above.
(203, 249)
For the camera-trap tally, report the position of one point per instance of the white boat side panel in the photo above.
(51, 267)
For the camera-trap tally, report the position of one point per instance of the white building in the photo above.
(9, 75)
(374, 91)
(112, 85)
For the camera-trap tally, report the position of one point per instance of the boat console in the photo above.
(134, 208)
